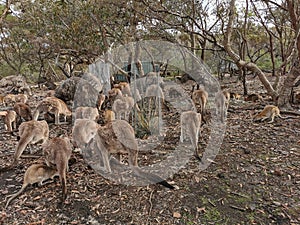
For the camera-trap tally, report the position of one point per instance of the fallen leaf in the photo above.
(176, 215)
(202, 209)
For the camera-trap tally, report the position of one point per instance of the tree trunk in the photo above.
(203, 46)
(241, 63)
(137, 61)
(129, 65)
(243, 71)
(286, 90)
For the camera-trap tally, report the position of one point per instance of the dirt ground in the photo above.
(255, 179)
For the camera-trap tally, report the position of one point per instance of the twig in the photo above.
(233, 110)
(238, 208)
(151, 206)
(210, 202)
(238, 194)
(286, 214)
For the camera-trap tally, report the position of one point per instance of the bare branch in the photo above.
(6, 11)
(241, 63)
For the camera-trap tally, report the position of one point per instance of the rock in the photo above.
(15, 84)
(67, 89)
(83, 91)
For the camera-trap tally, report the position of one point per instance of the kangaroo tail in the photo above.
(36, 114)
(23, 142)
(15, 195)
(64, 189)
(151, 177)
(63, 181)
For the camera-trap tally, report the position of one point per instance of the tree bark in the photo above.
(286, 90)
(137, 60)
(294, 15)
(289, 83)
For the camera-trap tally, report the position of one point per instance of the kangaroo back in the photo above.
(25, 138)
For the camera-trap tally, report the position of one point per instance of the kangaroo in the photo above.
(10, 120)
(270, 111)
(57, 153)
(83, 132)
(126, 91)
(100, 101)
(54, 106)
(30, 132)
(122, 105)
(190, 123)
(3, 113)
(22, 98)
(221, 105)
(235, 96)
(114, 137)
(120, 108)
(153, 78)
(23, 111)
(124, 87)
(109, 116)
(9, 99)
(155, 94)
(200, 98)
(85, 112)
(114, 93)
(2, 99)
(253, 98)
(227, 98)
(36, 173)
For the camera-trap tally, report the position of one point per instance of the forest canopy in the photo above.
(60, 38)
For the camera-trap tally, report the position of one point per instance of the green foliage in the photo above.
(265, 62)
(76, 32)
(212, 215)
(6, 70)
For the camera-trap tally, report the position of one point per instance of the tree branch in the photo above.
(241, 63)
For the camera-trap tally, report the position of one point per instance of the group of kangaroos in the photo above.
(114, 135)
